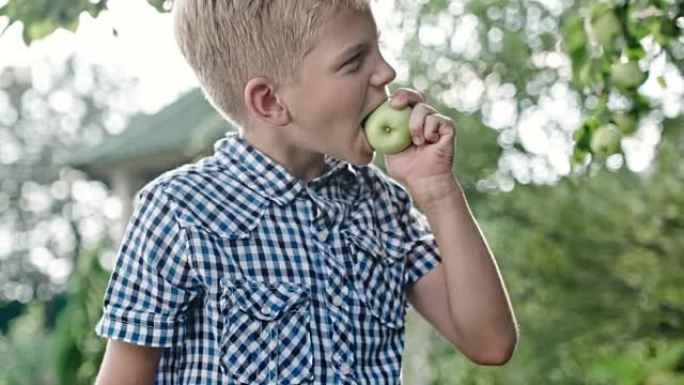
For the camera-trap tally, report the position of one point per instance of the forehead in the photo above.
(342, 30)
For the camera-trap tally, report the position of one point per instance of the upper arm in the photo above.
(128, 364)
(152, 284)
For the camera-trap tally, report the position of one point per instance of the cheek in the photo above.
(350, 105)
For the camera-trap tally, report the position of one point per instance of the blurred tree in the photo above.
(78, 350)
(25, 350)
(48, 211)
(557, 81)
(594, 270)
(577, 65)
(42, 17)
(596, 277)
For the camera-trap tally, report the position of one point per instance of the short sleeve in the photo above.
(422, 252)
(151, 285)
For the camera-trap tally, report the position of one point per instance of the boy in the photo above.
(286, 258)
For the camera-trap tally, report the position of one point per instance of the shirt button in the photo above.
(345, 369)
(337, 301)
(323, 235)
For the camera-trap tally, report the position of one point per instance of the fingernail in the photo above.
(418, 141)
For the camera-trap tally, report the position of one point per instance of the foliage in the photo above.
(25, 350)
(611, 45)
(607, 43)
(78, 350)
(49, 209)
(577, 64)
(594, 270)
(42, 17)
(31, 345)
(593, 265)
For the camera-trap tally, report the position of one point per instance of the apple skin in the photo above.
(606, 28)
(387, 129)
(625, 122)
(605, 25)
(626, 76)
(606, 140)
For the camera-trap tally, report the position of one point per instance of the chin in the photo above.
(361, 158)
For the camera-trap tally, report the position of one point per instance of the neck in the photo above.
(302, 164)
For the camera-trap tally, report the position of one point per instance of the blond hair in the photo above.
(228, 42)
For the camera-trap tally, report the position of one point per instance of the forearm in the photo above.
(478, 301)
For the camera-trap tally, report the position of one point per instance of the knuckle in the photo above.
(422, 107)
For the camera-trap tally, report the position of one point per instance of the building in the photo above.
(151, 144)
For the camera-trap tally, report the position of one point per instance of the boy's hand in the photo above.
(424, 168)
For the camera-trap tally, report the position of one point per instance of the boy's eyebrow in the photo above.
(355, 47)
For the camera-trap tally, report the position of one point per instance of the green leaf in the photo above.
(160, 5)
(635, 52)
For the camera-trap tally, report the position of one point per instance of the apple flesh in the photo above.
(387, 129)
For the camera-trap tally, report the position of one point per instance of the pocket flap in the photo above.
(266, 301)
(387, 247)
(219, 205)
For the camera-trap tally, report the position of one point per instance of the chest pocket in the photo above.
(379, 273)
(265, 333)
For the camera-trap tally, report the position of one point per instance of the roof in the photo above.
(185, 128)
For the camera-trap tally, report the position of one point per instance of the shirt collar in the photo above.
(267, 177)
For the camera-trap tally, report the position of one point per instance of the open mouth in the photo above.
(365, 118)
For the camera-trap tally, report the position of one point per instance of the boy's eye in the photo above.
(355, 60)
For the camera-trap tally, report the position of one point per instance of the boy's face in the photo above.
(341, 80)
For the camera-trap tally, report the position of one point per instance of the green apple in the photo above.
(606, 140)
(606, 28)
(626, 122)
(387, 129)
(626, 75)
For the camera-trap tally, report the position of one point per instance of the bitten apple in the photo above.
(387, 129)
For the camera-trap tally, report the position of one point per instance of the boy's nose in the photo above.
(384, 74)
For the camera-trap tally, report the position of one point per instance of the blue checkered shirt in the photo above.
(246, 275)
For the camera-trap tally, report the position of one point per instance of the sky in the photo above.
(144, 50)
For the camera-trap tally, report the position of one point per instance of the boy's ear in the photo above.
(263, 102)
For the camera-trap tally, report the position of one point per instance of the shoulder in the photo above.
(381, 195)
(375, 183)
(205, 195)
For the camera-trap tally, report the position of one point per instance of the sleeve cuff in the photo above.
(152, 333)
(423, 257)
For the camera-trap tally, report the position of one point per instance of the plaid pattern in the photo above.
(247, 275)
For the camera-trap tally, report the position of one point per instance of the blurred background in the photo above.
(570, 143)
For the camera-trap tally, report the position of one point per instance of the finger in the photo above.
(406, 97)
(446, 129)
(431, 129)
(417, 122)
(446, 126)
